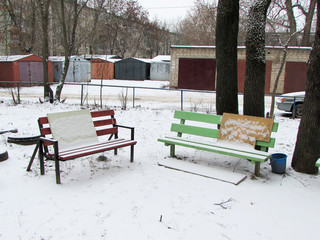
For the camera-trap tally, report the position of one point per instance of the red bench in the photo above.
(105, 125)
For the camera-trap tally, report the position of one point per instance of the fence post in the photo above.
(133, 95)
(181, 100)
(81, 100)
(294, 108)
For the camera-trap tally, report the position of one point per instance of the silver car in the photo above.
(291, 102)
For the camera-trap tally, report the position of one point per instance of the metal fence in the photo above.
(133, 89)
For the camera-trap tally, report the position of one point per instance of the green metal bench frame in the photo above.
(255, 156)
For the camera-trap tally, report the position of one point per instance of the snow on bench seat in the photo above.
(221, 148)
(92, 149)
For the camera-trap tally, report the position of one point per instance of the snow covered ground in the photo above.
(116, 199)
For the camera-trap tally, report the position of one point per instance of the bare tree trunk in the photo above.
(227, 36)
(68, 41)
(307, 28)
(274, 91)
(44, 10)
(307, 149)
(255, 60)
(292, 21)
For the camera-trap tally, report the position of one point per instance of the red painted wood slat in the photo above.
(45, 131)
(43, 120)
(107, 131)
(88, 150)
(100, 123)
(102, 113)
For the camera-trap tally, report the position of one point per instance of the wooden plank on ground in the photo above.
(204, 171)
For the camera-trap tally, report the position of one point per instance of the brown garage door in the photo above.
(295, 77)
(198, 74)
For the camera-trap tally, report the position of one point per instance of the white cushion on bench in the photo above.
(72, 129)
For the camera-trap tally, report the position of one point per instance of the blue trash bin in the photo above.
(278, 163)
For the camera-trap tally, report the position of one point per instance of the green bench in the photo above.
(199, 132)
(318, 163)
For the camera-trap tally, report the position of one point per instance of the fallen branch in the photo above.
(224, 202)
(10, 130)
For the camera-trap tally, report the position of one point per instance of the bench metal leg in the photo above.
(172, 151)
(257, 169)
(116, 151)
(41, 158)
(33, 157)
(132, 153)
(57, 168)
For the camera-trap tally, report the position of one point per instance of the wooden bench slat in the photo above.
(45, 131)
(221, 145)
(80, 148)
(107, 131)
(269, 144)
(194, 130)
(217, 149)
(43, 120)
(198, 117)
(275, 127)
(92, 149)
(99, 123)
(102, 113)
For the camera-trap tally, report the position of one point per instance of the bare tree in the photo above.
(227, 78)
(90, 25)
(283, 62)
(44, 6)
(22, 24)
(308, 22)
(284, 16)
(134, 20)
(199, 27)
(307, 149)
(69, 37)
(255, 59)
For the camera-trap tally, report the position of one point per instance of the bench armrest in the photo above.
(53, 142)
(131, 128)
(43, 139)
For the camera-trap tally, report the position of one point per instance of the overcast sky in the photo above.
(167, 10)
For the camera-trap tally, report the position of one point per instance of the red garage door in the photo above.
(242, 73)
(295, 77)
(198, 74)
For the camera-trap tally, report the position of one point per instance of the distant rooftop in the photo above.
(13, 58)
(161, 58)
(240, 47)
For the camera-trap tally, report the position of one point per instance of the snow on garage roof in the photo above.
(13, 58)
